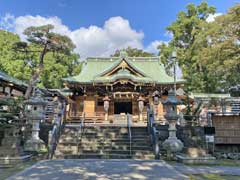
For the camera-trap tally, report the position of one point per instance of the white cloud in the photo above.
(116, 33)
(212, 17)
(22, 22)
(168, 34)
(7, 22)
(152, 47)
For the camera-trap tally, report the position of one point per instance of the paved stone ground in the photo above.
(116, 169)
(99, 170)
(220, 170)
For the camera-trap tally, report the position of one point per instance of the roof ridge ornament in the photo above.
(123, 54)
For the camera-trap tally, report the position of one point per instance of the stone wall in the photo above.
(190, 136)
(234, 148)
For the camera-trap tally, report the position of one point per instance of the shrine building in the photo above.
(107, 89)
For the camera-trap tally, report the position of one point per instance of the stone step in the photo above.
(67, 151)
(104, 142)
(117, 139)
(134, 141)
(107, 134)
(106, 156)
(134, 152)
(113, 129)
(105, 127)
(68, 130)
(149, 148)
(105, 146)
(114, 135)
(101, 151)
(113, 144)
(112, 132)
(103, 138)
(68, 141)
(9, 161)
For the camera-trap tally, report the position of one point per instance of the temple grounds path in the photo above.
(100, 170)
(123, 169)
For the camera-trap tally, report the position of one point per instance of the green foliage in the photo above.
(10, 61)
(43, 40)
(133, 52)
(222, 55)
(11, 114)
(21, 59)
(185, 31)
(208, 53)
(42, 35)
(58, 66)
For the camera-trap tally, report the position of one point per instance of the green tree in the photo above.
(23, 64)
(10, 61)
(133, 52)
(58, 66)
(222, 55)
(186, 31)
(42, 40)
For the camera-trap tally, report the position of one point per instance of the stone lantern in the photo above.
(155, 97)
(35, 113)
(106, 100)
(172, 144)
(140, 107)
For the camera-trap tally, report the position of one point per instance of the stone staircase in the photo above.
(104, 142)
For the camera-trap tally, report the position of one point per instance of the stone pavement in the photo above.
(116, 169)
(99, 170)
(220, 170)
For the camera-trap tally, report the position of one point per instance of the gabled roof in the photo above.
(122, 61)
(149, 68)
(206, 95)
(123, 74)
(10, 79)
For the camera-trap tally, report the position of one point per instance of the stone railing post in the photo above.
(106, 100)
(140, 107)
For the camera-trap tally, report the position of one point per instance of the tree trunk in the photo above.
(34, 78)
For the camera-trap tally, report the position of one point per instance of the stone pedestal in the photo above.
(196, 156)
(172, 144)
(11, 151)
(106, 116)
(35, 112)
(35, 143)
(10, 145)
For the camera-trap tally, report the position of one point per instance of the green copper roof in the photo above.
(6, 77)
(205, 95)
(152, 71)
(123, 74)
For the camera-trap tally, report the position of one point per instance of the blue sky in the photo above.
(94, 20)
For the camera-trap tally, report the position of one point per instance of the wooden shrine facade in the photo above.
(11, 87)
(107, 89)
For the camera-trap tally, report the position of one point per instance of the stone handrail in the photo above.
(80, 130)
(153, 132)
(55, 134)
(129, 122)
